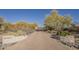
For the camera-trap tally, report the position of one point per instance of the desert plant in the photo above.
(63, 33)
(57, 22)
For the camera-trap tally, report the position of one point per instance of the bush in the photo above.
(63, 33)
(49, 31)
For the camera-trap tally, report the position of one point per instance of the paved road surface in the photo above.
(39, 41)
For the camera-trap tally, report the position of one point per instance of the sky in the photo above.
(35, 15)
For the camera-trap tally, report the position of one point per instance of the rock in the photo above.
(68, 40)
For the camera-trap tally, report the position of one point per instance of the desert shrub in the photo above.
(49, 31)
(63, 33)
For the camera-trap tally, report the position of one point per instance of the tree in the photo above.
(25, 25)
(56, 21)
(68, 21)
(50, 21)
(33, 26)
(21, 25)
(7, 26)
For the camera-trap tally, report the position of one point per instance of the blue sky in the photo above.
(35, 15)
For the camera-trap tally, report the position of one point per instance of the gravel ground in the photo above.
(9, 40)
(12, 39)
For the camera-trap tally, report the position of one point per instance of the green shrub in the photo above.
(63, 33)
(49, 31)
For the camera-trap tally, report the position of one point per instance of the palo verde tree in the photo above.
(25, 25)
(57, 22)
